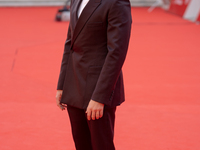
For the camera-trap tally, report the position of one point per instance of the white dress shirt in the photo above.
(82, 6)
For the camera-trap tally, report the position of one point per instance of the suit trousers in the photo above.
(94, 134)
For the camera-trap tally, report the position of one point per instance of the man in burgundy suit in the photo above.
(90, 84)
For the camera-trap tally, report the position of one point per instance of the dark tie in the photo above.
(74, 14)
(79, 3)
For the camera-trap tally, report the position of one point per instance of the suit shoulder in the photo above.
(115, 3)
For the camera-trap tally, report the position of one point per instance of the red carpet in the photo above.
(162, 81)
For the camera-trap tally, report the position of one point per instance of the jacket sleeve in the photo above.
(64, 61)
(118, 35)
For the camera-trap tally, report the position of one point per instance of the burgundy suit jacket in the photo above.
(94, 53)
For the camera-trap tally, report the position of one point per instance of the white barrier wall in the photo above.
(61, 2)
(192, 11)
(188, 9)
(32, 2)
(136, 3)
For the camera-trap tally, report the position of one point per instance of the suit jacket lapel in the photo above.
(85, 15)
(73, 13)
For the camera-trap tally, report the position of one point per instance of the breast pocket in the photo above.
(95, 27)
(95, 24)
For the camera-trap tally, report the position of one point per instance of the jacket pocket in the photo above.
(91, 81)
(94, 69)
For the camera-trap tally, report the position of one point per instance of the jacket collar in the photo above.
(84, 17)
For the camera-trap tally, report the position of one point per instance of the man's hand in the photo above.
(94, 110)
(58, 98)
